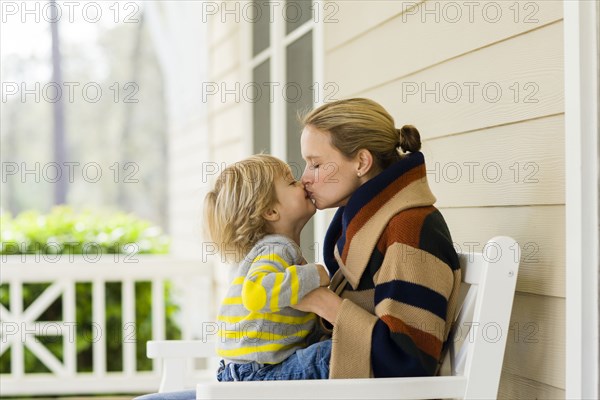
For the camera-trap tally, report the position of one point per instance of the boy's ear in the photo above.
(271, 215)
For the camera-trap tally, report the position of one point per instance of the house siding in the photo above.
(495, 159)
(228, 125)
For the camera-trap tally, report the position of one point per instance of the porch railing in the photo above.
(20, 327)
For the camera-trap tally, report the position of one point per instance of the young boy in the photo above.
(255, 214)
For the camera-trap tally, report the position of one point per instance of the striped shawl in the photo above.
(393, 263)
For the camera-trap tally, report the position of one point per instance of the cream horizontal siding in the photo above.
(226, 57)
(525, 159)
(228, 125)
(494, 159)
(516, 387)
(531, 62)
(535, 349)
(539, 230)
(403, 45)
(345, 20)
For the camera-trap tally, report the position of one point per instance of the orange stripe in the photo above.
(405, 228)
(365, 213)
(425, 341)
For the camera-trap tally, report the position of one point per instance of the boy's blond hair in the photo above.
(234, 209)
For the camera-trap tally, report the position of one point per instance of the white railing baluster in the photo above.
(70, 336)
(43, 301)
(129, 327)
(20, 325)
(158, 315)
(45, 356)
(17, 356)
(99, 333)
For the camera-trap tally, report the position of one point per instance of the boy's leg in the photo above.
(309, 363)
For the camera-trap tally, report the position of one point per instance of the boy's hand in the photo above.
(323, 275)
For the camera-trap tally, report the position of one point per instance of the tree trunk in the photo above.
(60, 151)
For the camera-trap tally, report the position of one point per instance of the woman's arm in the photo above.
(322, 302)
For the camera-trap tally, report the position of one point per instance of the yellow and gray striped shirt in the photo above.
(256, 322)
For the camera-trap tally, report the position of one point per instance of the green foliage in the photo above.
(64, 231)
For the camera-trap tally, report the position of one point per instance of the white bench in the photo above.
(472, 366)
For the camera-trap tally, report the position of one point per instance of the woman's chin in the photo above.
(320, 206)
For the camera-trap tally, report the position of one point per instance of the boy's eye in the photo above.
(315, 166)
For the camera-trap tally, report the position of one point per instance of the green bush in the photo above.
(63, 231)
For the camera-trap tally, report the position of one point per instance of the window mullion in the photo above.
(277, 92)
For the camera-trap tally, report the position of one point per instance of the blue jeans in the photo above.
(311, 362)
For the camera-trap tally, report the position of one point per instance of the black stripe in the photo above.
(394, 355)
(412, 294)
(435, 239)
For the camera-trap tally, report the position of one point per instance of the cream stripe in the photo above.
(272, 258)
(416, 194)
(417, 266)
(269, 317)
(351, 351)
(413, 316)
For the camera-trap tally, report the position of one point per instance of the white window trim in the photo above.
(276, 53)
(581, 157)
(321, 217)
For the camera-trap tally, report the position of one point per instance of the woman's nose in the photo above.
(305, 178)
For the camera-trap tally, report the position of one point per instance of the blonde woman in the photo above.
(395, 272)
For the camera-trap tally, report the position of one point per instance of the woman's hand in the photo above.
(322, 302)
(323, 275)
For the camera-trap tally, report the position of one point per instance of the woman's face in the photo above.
(329, 177)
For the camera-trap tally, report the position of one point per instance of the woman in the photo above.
(395, 272)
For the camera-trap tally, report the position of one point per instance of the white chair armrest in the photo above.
(381, 388)
(174, 354)
(180, 349)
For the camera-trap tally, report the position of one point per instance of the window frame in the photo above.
(276, 53)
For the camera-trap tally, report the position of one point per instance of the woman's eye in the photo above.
(315, 166)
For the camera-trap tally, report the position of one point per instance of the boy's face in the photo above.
(293, 203)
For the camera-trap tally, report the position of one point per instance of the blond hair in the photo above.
(359, 123)
(234, 209)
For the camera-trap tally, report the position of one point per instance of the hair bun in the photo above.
(410, 139)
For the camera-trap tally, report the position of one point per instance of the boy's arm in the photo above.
(273, 282)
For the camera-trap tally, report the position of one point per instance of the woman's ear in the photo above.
(271, 215)
(365, 162)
